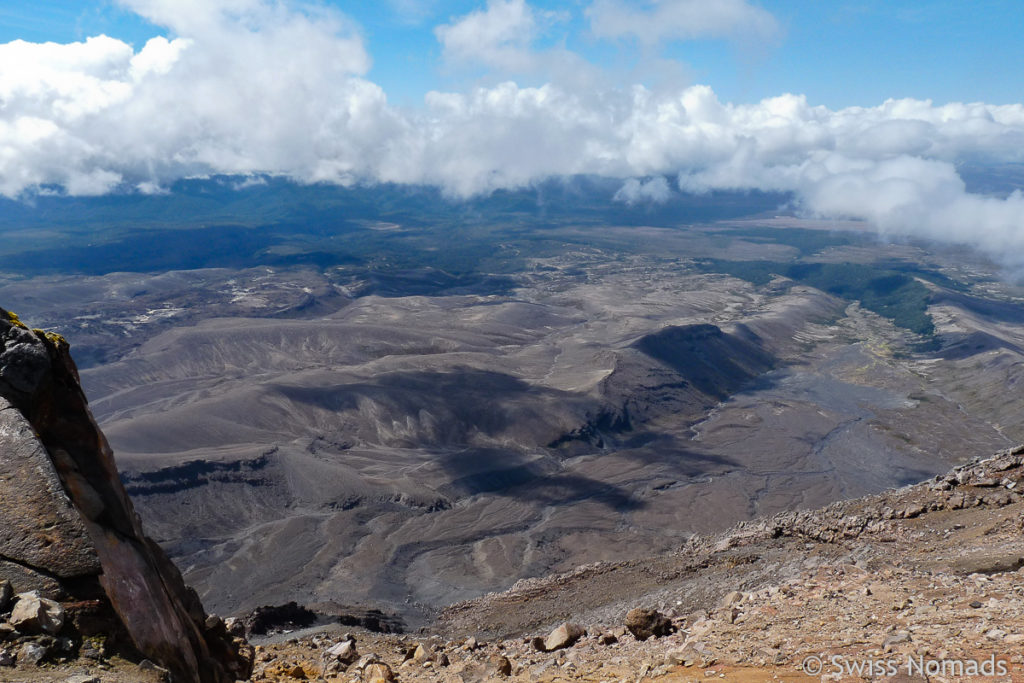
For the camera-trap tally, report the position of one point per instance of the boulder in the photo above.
(235, 627)
(344, 652)
(365, 661)
(423, 653)
(645, 623)
(34, 614)
(378, 673)
(499, 665)
(32, 653)
(564, 636)
(215, 624)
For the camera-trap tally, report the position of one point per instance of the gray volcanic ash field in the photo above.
(405, 436)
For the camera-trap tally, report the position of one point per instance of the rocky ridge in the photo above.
(77, 573)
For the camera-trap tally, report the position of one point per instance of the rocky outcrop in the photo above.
(70, 531)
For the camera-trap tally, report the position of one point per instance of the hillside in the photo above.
(923, 578)
(921, 583)
(443, 410)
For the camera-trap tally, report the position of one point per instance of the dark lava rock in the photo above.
(645, 623)
(276, 618)
(372, 620)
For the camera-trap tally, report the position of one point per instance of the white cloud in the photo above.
(508, 39)
(498, 36)
(636, 191)
(248, 86)
(657, 21)
(156, 58)
(252, 87)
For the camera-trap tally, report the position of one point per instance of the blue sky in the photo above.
(839, 53)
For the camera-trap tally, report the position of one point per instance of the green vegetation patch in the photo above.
(757, 273)
(889, 293)
(806, 240)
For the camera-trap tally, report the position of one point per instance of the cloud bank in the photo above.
(251, 86)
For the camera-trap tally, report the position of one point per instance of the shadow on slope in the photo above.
(677, 373)
(527, 478)
(429, 409)
(965, 345)
(715, 363)
(991, 309)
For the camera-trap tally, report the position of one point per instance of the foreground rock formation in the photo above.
(71, 544)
